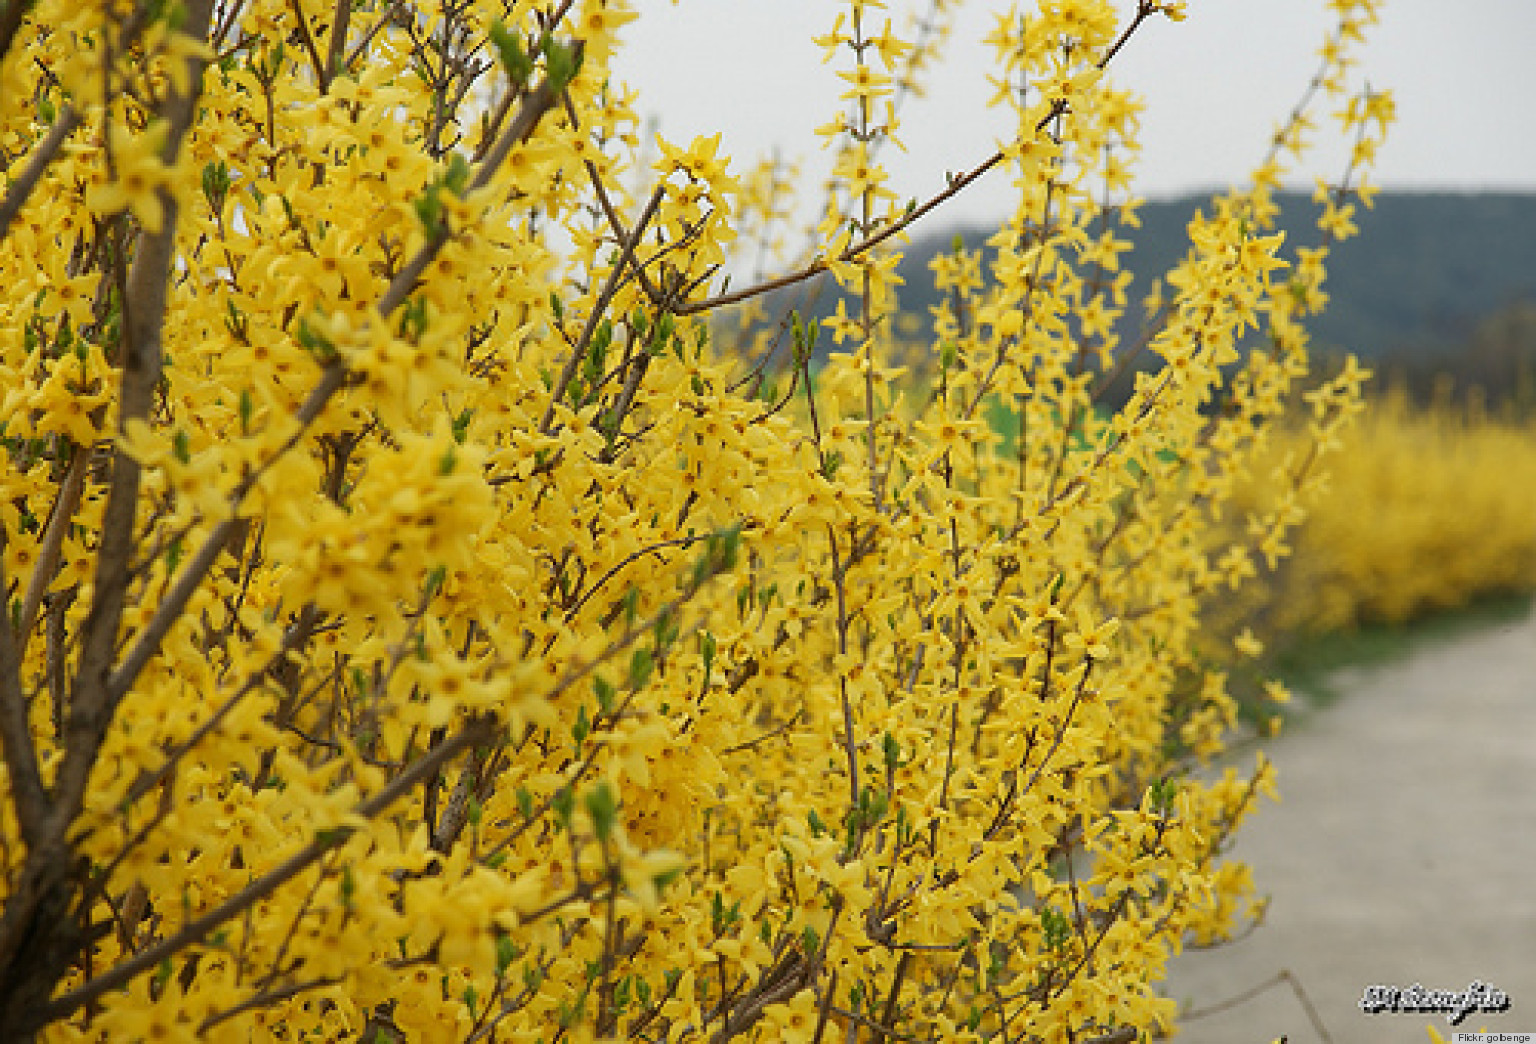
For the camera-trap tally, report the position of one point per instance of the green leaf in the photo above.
(429, 210)
(461, 424)
(316, 343)
(413, 318)
(564, 803)
(215, 183)
(509, 49)
(603, 806)
(457, 175)
(236, 323)
(1055, 927)
(830, 462)
(561, 63)
(606, 694)
(506, 953)
(640, 666)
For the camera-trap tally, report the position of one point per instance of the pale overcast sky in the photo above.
(1216, 86)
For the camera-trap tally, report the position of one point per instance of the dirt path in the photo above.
(1403, 852)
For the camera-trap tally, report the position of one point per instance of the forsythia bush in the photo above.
(418, 629)
(1422, 509)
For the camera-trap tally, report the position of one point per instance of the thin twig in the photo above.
(1284, 976)
(59, 521)
(599, 308)
(957, 183)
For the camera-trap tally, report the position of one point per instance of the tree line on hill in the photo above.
(1438, 292)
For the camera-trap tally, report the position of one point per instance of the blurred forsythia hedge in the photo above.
(1423, 508)
(417, 628)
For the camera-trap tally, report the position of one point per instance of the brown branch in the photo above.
(38, 933)
(267, 998)
(341, 21)
(232, 10)
(796, 972)
(649, 549)
(888, 1017)
(144, 307)
(1285, 976)
(308, 40)
(21, 188)
(825, 1007)
(390, 13)
(446, 832)
(777, 730)
(59, 520)
(1123, 1035)
(605, 202)
(29, 798)
(957, 183)
(579, 350)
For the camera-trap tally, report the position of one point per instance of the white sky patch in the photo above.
(1216, 86)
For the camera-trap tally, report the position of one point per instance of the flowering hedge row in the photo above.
(419, 629)
(1422, 509)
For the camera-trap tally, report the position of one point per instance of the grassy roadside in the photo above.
(1308, 666)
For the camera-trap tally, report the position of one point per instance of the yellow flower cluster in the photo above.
(1422, 509)
(417, 628)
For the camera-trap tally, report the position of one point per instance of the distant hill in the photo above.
(1426, 268)
(1426, 271)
